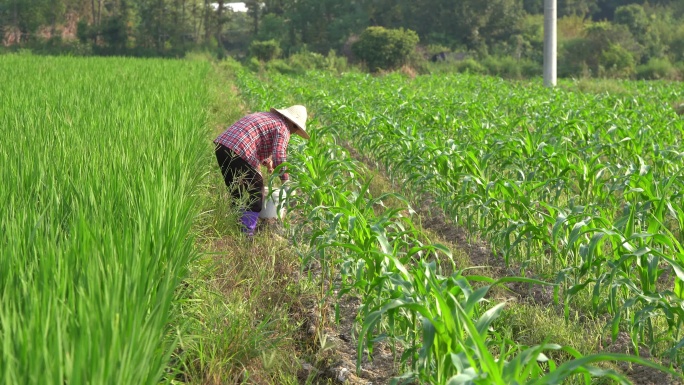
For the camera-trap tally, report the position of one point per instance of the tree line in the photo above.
(606, 37)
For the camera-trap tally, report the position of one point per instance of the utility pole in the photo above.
(550, 43)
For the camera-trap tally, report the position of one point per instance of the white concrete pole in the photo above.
(550, 43)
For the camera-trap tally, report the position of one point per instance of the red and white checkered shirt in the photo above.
(257, 136)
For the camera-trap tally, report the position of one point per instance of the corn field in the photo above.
(586, 189)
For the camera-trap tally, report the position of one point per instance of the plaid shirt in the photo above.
(256, 137)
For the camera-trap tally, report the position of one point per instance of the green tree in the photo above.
(478, 24)
(577, 7)
(321, 25)
(265, 50)
(617, 62)
(25, 15)
(677, 44)
(383, 48)
(634, 17)
(533, 6)
(254, 11)
(273, 27)
(114, 34)
(587, 52)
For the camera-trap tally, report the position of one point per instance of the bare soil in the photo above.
(336, 345)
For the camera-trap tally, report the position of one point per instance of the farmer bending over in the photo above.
(257, 139)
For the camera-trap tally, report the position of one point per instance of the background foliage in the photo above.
(606, 38)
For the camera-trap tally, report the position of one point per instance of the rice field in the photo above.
(99, 168)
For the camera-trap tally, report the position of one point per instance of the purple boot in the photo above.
(249, 222)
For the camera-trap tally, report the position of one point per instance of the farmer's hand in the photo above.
(268, 162)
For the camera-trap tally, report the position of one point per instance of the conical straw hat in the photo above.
(297, 115)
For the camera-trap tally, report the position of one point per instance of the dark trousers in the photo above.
(241, 178)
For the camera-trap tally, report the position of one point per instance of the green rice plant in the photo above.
(98, 199)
